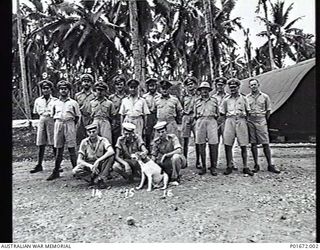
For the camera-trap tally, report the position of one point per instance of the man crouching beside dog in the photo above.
(167, 152)
(95, 158)
(127, 145)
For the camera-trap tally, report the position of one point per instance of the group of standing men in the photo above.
(130, 123)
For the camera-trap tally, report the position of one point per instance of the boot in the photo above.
(228, 171)
(55, 174)
(37, 168)
(202, 171)
(256, 168)
(248, 171)
(273, 169)
(213, 171)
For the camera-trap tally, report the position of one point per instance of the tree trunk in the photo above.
(209, 31)
(272, 64)
(137, 48)
(26, 101)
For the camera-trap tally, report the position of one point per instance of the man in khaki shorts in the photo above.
(66, 114)
(102, 110)
(235, 108)
(206, 112)
(134, 109)
(42, 107)
(95, 158)
(188, 102)
(260, 108)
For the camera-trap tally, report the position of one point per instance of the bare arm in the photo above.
(81, 161)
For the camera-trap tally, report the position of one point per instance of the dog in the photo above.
(152, 171)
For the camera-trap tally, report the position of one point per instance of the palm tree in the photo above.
(266, 20)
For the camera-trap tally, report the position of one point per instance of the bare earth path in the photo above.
(234, 208)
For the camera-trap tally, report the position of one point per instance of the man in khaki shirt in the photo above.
(42, 107)
(260, 108)
(116, 98)
(66, 114)
(84, 97)
(168, 108)
(134, 109)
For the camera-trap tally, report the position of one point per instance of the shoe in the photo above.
(234, 167)
(228, 171)
(198, 166)
(273, 169)
(256, 168)
(53, 176)
(37, 168)
(60, 170)
(202, 171)
(101, 184)
(248, 171)
(185, 166)
(213, 171)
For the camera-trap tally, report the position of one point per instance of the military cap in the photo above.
(160, 125)
(91, 126)
(101, 85)
(86, 77)
(64, 83)
(118, 79)
(128, 126)
(205, 85)
(151, 80)
(233, 81)
(190, 79)
(133, 83)
(45, 83)
(165, 84)
(220, 79)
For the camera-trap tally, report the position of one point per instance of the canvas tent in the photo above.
(293, 96)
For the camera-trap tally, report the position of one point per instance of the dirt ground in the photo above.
(234, 208)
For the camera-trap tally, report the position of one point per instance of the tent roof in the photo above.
(281, 83)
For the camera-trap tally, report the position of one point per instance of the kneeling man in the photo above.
(95, 157)
(127, 145)
(167, 152)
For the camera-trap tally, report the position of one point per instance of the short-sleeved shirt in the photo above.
(220, 97)
(163, 146)
(259, 104)
(102, 108)
(43, 106)
(168, 107)
(150, 99)
(206, 107)
(188, 102)
(129, 147)
(116, 100)
(65, 110)
(84, 100)
(90, 152)
(235, 106)
(134, 106)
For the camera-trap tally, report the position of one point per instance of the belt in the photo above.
(207, 116)
(169, 119)
(101, 118)
(236, 116)
(257, 115)
(64, 121)
(45, 115)
(134, 117)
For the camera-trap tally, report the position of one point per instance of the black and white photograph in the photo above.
(163, 121)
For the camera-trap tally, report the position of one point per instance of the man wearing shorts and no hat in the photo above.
(127, 144)
(167, 152)
(84, 97)
(95, 157)
(206, 112)
(134, 108)
(260, 108)
(66, 114)
(42, 107)
(102, 111)
(235, 108)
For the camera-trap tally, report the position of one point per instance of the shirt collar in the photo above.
(258, 93)
(68, 99)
